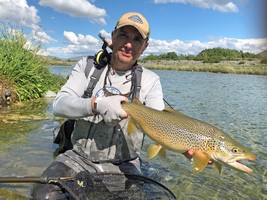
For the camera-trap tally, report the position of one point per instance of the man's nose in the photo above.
(128, 44)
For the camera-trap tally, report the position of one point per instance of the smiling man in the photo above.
(100, 139)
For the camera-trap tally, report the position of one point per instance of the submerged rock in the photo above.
(50, 94)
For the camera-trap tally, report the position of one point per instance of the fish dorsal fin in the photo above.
(170, 110)
(131, 126)
(218, 166)
(154, 149)
(199, 161)
(136, 100)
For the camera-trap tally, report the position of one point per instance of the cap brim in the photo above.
(134, 25)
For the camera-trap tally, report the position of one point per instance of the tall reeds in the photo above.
(21, 65)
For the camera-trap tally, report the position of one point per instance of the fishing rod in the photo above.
(44, 180)
(33, 179)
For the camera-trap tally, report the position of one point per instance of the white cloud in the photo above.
(219, 5)
(77, 8)
(41, 37)
(71, 50)
(18, 12)
(80, 39)
(195, 47)
(78, 44)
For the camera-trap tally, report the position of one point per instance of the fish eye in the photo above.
(235, 150)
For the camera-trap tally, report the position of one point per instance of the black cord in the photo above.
(167, 103)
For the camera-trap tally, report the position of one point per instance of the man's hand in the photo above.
(110, 108)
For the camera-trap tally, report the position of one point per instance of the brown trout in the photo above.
(177, 132)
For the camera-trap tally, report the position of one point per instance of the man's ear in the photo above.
(112, 35)
(145, 46)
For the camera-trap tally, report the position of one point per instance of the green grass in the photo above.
(22, 66)
(258, 69)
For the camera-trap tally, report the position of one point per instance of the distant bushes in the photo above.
(20, 64)
(214, 55)
(169, 56)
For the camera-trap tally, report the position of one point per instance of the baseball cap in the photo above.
(137, 20)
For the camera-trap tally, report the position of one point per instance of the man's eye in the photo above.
(138, 39)
(123, 35)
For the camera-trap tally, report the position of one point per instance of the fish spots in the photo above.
(212, 144)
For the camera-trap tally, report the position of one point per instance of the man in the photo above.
(100, 140)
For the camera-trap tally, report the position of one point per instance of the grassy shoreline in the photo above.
(227, 67)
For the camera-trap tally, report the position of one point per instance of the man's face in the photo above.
(128, 45)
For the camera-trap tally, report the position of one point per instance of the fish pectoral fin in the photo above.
(199, 161)
(218, 166)
(153, 150)
(162, 152)
(131, 126)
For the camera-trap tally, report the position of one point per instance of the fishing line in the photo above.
(167, 103)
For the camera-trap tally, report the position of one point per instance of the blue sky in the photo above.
(69, 28)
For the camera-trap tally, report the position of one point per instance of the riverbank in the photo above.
(253, 67)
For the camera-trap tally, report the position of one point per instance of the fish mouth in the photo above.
(235, 163)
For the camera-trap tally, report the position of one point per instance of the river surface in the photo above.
(236, 104)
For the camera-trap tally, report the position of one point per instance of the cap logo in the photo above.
(136, 19)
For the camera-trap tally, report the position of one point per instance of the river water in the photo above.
(236, 104)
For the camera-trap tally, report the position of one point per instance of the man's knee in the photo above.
(48, 191)
(52, 191)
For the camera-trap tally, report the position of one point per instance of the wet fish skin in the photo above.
(177, 132)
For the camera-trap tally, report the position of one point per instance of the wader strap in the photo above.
(89, 66)
(94, 77)
(138, 76)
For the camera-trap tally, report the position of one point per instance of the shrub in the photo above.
(21, 64)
